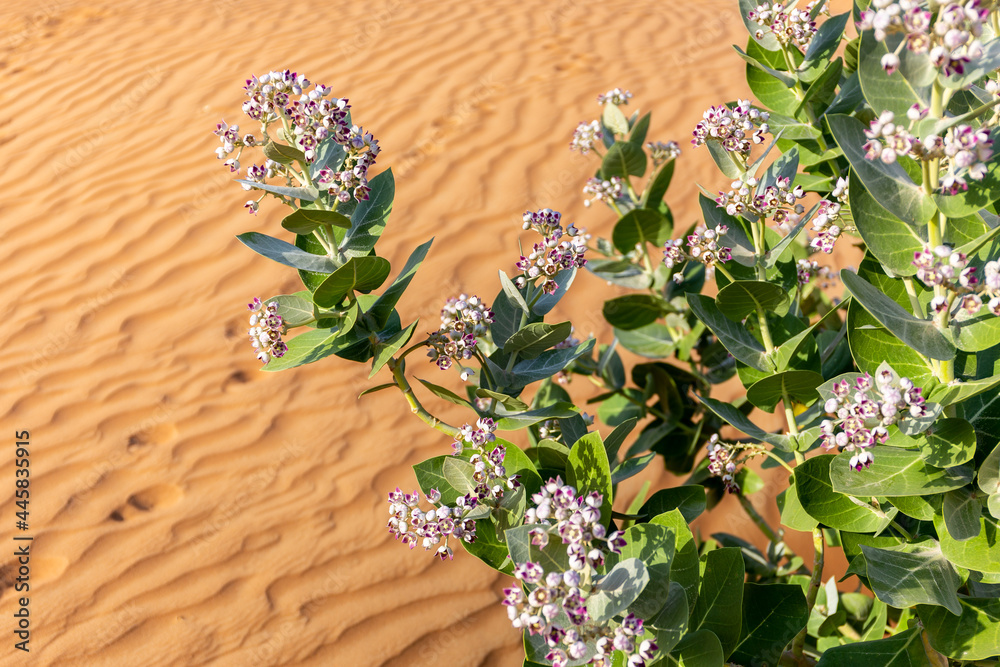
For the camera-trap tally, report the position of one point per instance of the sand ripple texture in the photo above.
(188, 509)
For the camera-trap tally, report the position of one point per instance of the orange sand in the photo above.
(186, 508)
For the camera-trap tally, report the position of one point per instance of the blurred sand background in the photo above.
(186, 508)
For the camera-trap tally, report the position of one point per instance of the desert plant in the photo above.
(890, 395)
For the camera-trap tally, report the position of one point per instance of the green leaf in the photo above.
(623, 159)
(294, 309)
(387, 301)
(631, 467)
(739, 299)
(897, 93)
(389, 347)
(921, 335)
(614, 119)
(793, 515)
(547, 364)
(912, 574)
(786, 80)
(616, 438)
(891, 240)
(449, 475)
(918, 507)
(328, 154)
(552, 557)
(632, 311)
(772, 616)
(981, 553)
(369, 218)
(671, 624)
(720, 601)
(823, 46)
(547, 302)
(889, 184)
(588, 470)
(973, 635)
(959, 392)
(306, 220)
(895, 472)
(989, 473)
(519, 420)
(737, 419)
(657, 189)
(697, 649)
(654, 546)
(767, 40)
(285, 253)
(962, 510)
(740, 342)
(975, 333)
(535, 338)
(652, 341)
(771, 91)
(614, 592)
(833, 509)
(282, 153)
(685, 569)
(488, 547)
(446, 394)
(309, 347)
(800, 385)
(637, 135)
(901, 650)
(509, 402)
(358, 274)
(512, 292)
(305, 194)
(640, 226)
(689, 500)
(870, 344)
(949, 442)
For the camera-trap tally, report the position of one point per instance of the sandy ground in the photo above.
(187, 509)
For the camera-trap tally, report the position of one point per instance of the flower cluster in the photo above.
(951, 43)
(865, 413)
(266, 329)
(232, 142)
(725, 458)
(661, 152)
(599, 189)
(556, 605)
(586, 136)
(410, 524)
(554, 253)
(737, 128)
(775, 202)
(352, 176)
(808, 269)
(489, 473)
(943, 266)
(704, 246)
(790, 26)
(829, 222)
(963, 150)
(463, 322)
(617, 96)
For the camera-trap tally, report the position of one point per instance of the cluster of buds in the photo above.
(603, 190)
(586, 137)
(661, 152)
(963, 150)
(737, 129)
(463, 322)
(266, 329)
(951, 43)
(809, 269)
(559, 249)
(942, 266)
(776, 202)
(795, 27)
(704, 246)
(410, 524)
(489, 475)
(352, 176)
(725, 459)
(829, 222)
(232, 142)
(555, 606)
(617, 96)
(865, 412)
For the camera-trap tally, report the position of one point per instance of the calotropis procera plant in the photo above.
(881, 128)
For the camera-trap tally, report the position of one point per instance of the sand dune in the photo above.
(186, 508)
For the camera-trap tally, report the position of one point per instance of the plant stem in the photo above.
(819, 550)
(911, 291)
(755, 516)
(784, 465)
(902, 530)
(404, 386)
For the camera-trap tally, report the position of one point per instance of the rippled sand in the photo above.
(186, 508)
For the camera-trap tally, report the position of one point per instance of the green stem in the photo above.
(819, 550)
(781, 461)
(755, 516)
(400, 379)
(911, 291)
(902, 530)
